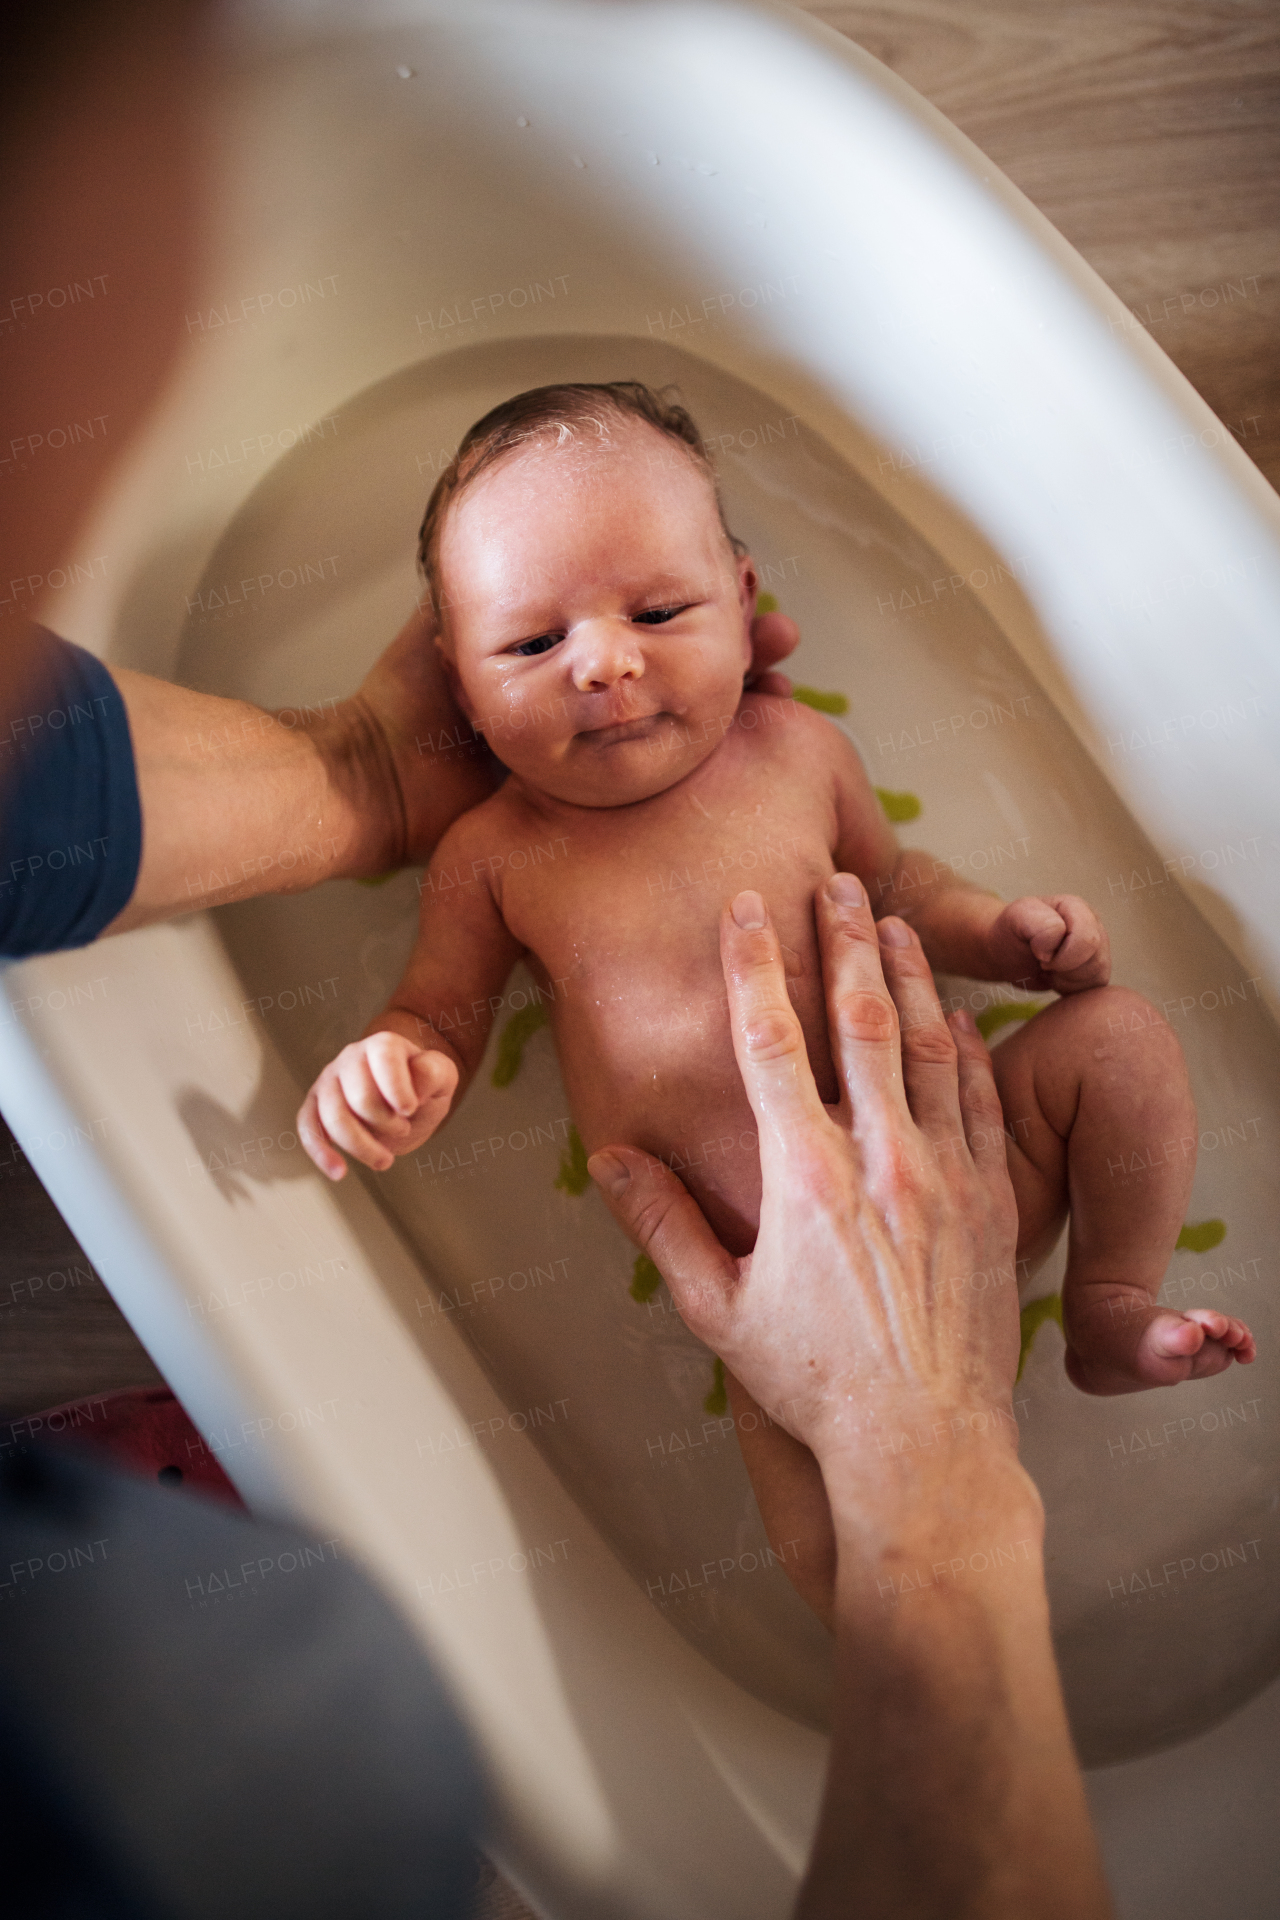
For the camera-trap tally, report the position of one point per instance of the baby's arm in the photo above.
(1040, 941)
(388, 1092)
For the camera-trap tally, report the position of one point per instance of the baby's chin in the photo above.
(621, 765)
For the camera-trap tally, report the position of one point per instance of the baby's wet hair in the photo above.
(558, 415)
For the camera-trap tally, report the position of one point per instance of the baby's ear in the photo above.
(748, 589)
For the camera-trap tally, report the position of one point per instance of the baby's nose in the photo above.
(603, 652)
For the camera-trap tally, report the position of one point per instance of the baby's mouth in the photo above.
(618, 732)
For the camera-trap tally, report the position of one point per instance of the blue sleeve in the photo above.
(70, 820)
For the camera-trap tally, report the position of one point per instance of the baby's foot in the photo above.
(1124, 1344)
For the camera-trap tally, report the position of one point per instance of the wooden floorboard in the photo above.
(62, 1337)
(1150, 136)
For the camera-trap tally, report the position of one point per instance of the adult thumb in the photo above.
(666, 1222)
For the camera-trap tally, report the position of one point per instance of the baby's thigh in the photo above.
(1091, 1073)
(1038, 1072)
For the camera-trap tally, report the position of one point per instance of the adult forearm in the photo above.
(953, 1788)
(237, 801)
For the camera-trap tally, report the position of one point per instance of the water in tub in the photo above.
(1161, 1505)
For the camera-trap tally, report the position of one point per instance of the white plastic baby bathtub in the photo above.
(1040, 574)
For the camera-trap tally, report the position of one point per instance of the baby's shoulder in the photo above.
(475, 832)
(794, 733)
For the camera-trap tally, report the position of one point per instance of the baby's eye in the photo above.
(540, 645)
(657, 616)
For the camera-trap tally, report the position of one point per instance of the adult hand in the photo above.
(876, 1321)
(882, 1286)
(773, 637)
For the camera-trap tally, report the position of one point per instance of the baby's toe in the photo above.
(1239, 1342)
(1215, 1324)
(1212, 1358)
(1175, 1336)
(1172, 1349)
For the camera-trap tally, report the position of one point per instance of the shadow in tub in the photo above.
(240, 1150)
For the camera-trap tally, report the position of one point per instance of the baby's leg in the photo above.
(1101, 1122)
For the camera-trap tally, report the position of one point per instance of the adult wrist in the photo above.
(360, 773)
(968, 1497)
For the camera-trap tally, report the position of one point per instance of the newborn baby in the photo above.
(594, 616)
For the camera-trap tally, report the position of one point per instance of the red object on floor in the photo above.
(142, 1428)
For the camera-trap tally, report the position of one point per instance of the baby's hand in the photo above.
(382, 1096)
(1050, 940)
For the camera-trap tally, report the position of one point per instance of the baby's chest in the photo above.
(631, 909)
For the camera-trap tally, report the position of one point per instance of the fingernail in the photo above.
(965, 1021)
(893, 934)
(609, 1172)
(748, 911)
(846, 890)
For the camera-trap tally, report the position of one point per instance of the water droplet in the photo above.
(578, 160)
(521, 121)
(407, 73)
(652, 158)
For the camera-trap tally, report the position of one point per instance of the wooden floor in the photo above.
(1150, 135)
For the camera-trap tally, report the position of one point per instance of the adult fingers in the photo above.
(773, 637)
(980, 1111)
(768, 1039)
(666, 1222)
(861, 1017)
(929, 1063)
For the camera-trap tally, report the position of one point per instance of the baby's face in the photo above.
(596, 617)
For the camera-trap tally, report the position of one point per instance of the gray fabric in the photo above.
(229, 1715)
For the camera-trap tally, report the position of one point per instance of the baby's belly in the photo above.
(660, 1074)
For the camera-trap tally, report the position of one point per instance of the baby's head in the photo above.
(594, 609)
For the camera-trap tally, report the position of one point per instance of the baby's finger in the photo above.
(1036, 922)
(929, 1060)
(1047, 941)
(360, 1090)
(435, 1077)
(767, 1036)
(390, 1071)
(347, 1131)
(316, 1142)
(1085, 939)
(1077, 949)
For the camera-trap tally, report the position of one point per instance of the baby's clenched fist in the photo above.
(383, 1096)
(1053, 940)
